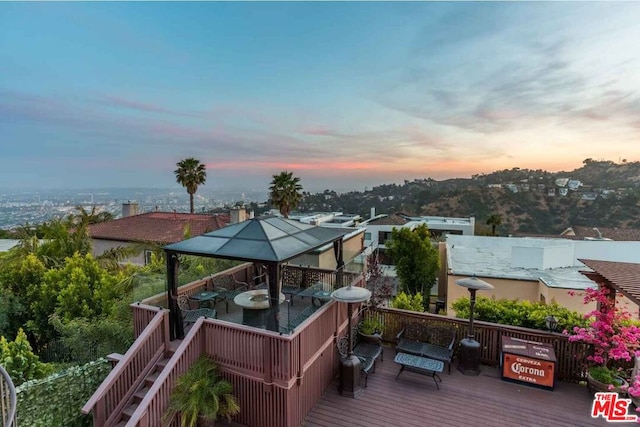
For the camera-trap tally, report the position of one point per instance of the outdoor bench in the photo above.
(431, 342)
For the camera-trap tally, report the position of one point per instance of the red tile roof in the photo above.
(620, 234)
(157, 227)
(622, 276)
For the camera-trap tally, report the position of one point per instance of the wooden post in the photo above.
(176, 329)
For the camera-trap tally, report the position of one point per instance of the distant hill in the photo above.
(605, 194)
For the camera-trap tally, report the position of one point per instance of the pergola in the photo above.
(623, 277)
(269, 240)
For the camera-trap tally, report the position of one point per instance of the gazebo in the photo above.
(268, 240)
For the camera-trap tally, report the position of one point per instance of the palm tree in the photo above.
(85, 217)
(285, 192)
(190, 174)
(494, 221)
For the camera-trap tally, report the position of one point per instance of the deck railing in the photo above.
(150, 411)
(242, 273)
(114, 392)
(571, 356)
(276, 378)
(8, 399)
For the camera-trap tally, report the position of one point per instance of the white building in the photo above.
(379, 227)
(532, 269)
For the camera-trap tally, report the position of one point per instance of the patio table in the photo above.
(255, 304)
(317, 295)
(205, 298)
(420, 365)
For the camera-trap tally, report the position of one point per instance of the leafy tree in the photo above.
(80, 288)
(12, 313)
(83, 217)
(88, 339)
(18, 359)
(52, 243)
(190, 174)
(286, 192)
(416, 260)
(494, 221)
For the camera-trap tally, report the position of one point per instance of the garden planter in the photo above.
(595, 386)
(377, 337)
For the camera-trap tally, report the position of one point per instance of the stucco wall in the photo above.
(327, 259)
(533, 291)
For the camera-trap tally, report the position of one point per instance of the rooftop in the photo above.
(392, 219)
(619, 234)
(554, 261)
(158, 227)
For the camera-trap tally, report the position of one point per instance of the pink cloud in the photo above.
(120, 102)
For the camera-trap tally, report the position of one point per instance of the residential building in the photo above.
(601, 233)
(149, 230)
(379, 227)
(532, 269)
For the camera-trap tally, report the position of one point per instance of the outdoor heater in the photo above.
(470, 348)
(552, 322)
(350, 366)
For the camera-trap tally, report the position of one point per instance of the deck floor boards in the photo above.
(414, 401)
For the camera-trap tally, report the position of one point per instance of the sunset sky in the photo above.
(346, 95)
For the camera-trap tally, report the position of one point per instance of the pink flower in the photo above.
(610, 333)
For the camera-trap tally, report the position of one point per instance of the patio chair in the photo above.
(228, 288)
(190, 315)
(367, 363)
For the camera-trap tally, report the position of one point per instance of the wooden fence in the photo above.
(276, 378)
(571, 356)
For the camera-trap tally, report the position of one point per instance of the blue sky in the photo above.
(346, 95)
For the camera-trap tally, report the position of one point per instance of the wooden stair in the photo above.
(140, 394)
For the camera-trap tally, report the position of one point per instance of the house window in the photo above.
(147, 257)
(383, 236)
(367, 236)
(543, 299)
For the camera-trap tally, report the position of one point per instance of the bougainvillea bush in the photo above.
(612, 332)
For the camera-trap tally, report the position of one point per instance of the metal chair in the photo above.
(228, 288)
(190, 315)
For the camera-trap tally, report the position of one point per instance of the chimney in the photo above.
(237, 215)
(373, 212)
(129, 209)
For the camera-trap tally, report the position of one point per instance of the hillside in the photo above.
(609, 196)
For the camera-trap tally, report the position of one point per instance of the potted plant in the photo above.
(602, 378)
(613, 336)
(201, 396)
(370, 329)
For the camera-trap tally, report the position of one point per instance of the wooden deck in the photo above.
(486, 400)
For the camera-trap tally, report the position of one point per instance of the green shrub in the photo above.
(519, 313)
(408, 302)
(87, 340)
(605, 375)
(18, 359)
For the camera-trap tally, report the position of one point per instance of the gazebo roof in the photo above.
(262, 239)
(621, 276)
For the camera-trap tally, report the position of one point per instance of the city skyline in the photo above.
(346, 95)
